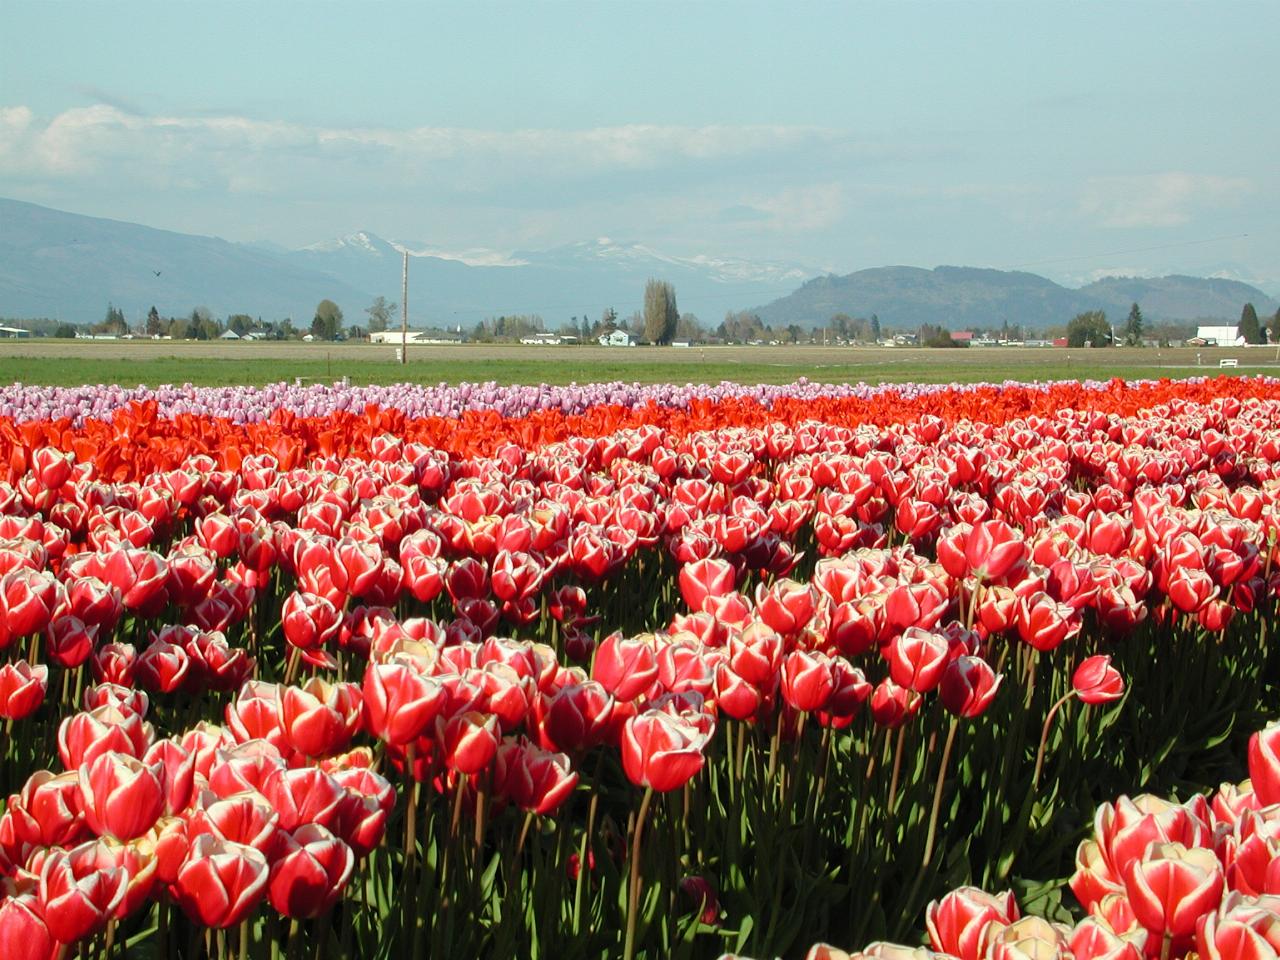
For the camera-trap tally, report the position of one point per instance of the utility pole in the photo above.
(404, 311)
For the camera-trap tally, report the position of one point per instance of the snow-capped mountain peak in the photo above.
(361, 241)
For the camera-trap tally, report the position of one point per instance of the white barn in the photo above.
(1222, 336)
(616, 338)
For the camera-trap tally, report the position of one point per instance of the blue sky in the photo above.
(1074, 138)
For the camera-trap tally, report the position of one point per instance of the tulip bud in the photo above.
(310, 876)
(1264, 764)
(401, 703)
(306, 795)
(244, 818)
(917, 659)
(221, 882)
(892, 705)
(309, 620)
(661, 752)
(123, 797)
(48, 812)
(320, 718)
(23, 931)
(625, 667)
(533, 779)
(1171, 887)
(468, 740)
(807, 680)
(85, 736)
(162, 667)
(964, 922)
(1030, 938)
(1241, 930)
(1096, 681)
(78, 896)
(968, 686)
(22, 689)
(705, 578)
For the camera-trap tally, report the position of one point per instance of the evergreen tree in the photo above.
(1250, 329)
(875, 328)
(1133, 327)
(155, 325)
(1273, 327)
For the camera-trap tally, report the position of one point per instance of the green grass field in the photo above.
(66, 363)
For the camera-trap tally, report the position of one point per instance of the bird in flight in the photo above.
(156, 272)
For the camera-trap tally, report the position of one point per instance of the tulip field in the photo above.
(620, 671)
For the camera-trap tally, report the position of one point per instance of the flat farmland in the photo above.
(71, 363)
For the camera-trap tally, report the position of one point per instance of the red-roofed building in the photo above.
(962, 336)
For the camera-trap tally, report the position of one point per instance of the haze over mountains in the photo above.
(69, 267)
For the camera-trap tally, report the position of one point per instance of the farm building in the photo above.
(1222, 336)
(617, 338)
(423, 337)
(14, 332)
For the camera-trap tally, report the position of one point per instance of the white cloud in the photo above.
(1158, 200)
(242, 154)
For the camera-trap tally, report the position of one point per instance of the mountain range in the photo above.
(69, 267)
(963, 297)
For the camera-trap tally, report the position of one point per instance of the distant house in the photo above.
(1220, 336)
(229, 335)
(14, 332)
(542, 340)
(616, 338)
(962, 336)
(421, 337)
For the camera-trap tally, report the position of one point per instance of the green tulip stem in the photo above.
(482, 806)
(584, 850)
(410, 842)
(244, 939)
(773, 747)
(937, 793)
(1033, 658)
(1044, 735)
(975, 598)
(322, 935)
(411, 815)
(291, 669)
(897, 767)
(633, 896)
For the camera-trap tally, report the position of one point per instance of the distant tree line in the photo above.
(504, 327)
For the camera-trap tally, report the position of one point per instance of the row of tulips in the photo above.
(651, 692)
(1157, 878)
(130, 436)
(22, 403)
